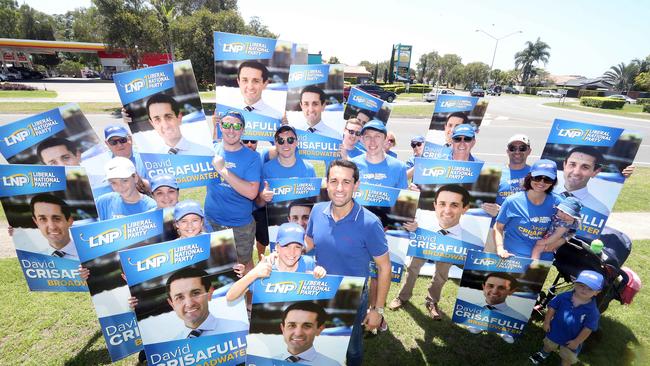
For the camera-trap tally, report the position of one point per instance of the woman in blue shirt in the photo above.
(525, 216)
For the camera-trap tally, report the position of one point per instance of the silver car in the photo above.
(432, 96)
(627, 99)
(549, 93)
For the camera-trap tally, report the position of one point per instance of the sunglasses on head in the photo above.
(520, 148)
(462, 138)
(121, 140)
(235, 126)
(414, 144)
(353, 132)
(246, 142)
(290, 140)
(542, 178)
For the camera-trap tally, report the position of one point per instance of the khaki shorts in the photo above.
(244, 239)
(565, 353)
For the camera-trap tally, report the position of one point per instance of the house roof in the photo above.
(584, 82)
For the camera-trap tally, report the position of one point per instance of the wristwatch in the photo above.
(380, 311)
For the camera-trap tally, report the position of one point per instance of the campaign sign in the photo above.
(366, 107)
(435, 151)
(393, 206)
(498, 295)
(320, 87)
(604, 152)
(432, 171)
(293, 200)
(42, 203)
(280, 300)
(189, 171)
(312, 146)
(398, 244)
(97, 245)
(452, 110)
(257, 127)
(164, 110)
(183, 315)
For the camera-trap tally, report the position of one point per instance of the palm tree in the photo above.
(622, 75)
(642, 65)
(532, 53)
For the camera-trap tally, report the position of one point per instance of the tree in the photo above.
(256, 27)
(333, 60)
(428, 66)
(32, 24)
(370, 67)
(166, 13)
(642, 81)
(476, 73)
(531, 54)
(188, 7)
(456, 75)
(622, 75)
(446, 64)
(642, 64)
(8, 19)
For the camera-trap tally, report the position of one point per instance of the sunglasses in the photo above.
(392, 141)
(462, 138)
(246, 142)
(121, 140)
(235, 126)
(520, 148)
(414, 144)
(290, 140)
(353, 132)
(542, 178)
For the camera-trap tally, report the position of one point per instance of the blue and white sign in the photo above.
(454, 103)
(30, 179)
(286, 189)
(432, 245)
(25, 133)
(258, 126)
(362, 100)
(578, 133)
(189, 171)
(434, 171)
(375, 195)
(229, 46)
(137, 84)
(312, 146)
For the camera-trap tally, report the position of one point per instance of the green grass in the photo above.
(413, 111)
(206, 95)
(629, 110)
(412, 97)
(28, 94)
(37, 107)
(634, 196)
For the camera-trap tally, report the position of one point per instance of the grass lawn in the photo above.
(413, 111)
(633, 196)
(28, 94)
(205, 95)
(37, 107)
(629, 110)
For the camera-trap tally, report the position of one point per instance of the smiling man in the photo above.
(189, 291)
(497, 286)
(463, 139)
(59, 151)
(165, 116)
(53, 219)
(581, 164)
(301, 322)
(253, 78)
(312, 104)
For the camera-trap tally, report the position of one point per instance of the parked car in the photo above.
(494, 91)
(12, 75)
(372, 89)
(477, 92)
(432, 96)
(549, 93)
(627, 99)
(510, 90)
(3, 77)
(26, 73)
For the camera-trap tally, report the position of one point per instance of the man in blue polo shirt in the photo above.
(229, 199)
(345, 237)
(125, 199)
(463, 139)
(375, 167)
(351, 135)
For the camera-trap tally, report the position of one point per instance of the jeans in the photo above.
(354, 356)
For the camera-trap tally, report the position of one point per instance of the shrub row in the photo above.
(646, 108)
(14, 86)
(591, 93)
(643, 101)
(401, 88)
(600, 102)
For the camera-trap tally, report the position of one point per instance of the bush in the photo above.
(591, 93)
(534, 89)
(643, 101)
(600, 102)
(13, 86)
(70, 68)
(646, 108)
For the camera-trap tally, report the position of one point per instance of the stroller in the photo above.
(576, 256)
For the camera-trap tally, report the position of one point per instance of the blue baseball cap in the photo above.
(376, 125)
(290, 233)
(235, 114)
(187, 207)
(544, 167)
(418, 138)
(285, 128)
(571, 206)
(162, 180)
(464, 129)
(591, 279)
(115, 131)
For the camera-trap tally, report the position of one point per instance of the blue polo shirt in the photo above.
(389, 173)
(525, 223)
(111, 206)
(223, 204)
(391, 153)
(347, 246)
(354, 152)
(569, 321)
(512, 181)
(301, 169)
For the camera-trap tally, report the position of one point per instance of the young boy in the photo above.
(570, 319)
(288, 258)
(563, 227)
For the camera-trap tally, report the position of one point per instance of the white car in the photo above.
(3, 77)
(627, 99)
(549, 93)
(432, 96)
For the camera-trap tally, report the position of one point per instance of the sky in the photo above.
(586, 37)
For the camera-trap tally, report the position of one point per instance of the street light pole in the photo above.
(496, 43)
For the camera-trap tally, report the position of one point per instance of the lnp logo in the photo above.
(17, 136)
(365, 101)
(106, 237)
(296, 76)
(16, 180)
(280, 287)
(570, 133)
(485, 261)
(134, 85)
(153, 261)
(234, 47)
(434, 172)
(282, 190)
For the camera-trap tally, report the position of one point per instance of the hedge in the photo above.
(14, 86)
(643, 101)
(591, 93)
(646, 108)
(534, 89)
(401, 88)
(600, 102)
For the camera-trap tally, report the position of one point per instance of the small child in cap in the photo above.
(563, 227)
(570, 319)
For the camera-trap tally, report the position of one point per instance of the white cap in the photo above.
(119, 167)
(519, 137)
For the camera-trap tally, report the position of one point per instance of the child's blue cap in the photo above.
(591, 279)
(291, 233)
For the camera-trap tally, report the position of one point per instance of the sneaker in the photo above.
(396, 304)
(537, 358)
(507, 338)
